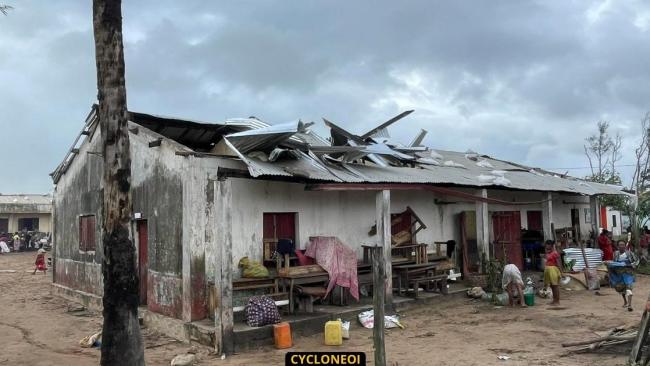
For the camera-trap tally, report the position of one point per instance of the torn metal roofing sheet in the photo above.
(266, 138)
(468, 175)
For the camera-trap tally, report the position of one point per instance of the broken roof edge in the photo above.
(290, 178)
(88, 130)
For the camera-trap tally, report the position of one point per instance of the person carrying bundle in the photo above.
(621, 273)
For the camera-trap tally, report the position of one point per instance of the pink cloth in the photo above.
(338, 260)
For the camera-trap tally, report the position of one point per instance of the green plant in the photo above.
(568, 265)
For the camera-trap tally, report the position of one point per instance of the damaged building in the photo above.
(207, 194)
(25, 212)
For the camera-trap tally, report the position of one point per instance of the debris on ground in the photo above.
(345, 329)
(366, 319)
(424, 335)
(544, 292)
(73, 308)
(614, 337)
(503, 358)
(184, 360)
(475, 292)
(93, 340)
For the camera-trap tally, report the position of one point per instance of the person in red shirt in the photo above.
(553, 271)
(605, 244)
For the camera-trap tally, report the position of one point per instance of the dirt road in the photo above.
(38, 329)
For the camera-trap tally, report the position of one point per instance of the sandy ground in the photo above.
(38, 329)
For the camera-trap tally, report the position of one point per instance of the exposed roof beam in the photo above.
(386, 124)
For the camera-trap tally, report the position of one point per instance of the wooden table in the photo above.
(418, 252)
(405, 271)
(302, 279)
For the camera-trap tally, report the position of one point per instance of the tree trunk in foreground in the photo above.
(121, 339)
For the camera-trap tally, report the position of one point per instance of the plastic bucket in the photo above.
(529, 299)
(282, 335)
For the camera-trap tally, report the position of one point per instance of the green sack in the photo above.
(252, 269)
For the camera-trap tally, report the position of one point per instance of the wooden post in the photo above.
(547, 216)
(584, 258)
(594, 207)
(642, 335)
(483, 227)
(381, 274)
(378, 281)
(382, 205)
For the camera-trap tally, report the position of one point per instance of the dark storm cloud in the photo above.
(518, 80)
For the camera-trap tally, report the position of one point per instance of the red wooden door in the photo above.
(143, 260)
(534, 220)
(603, 217)
(507, 236)
(281, 225)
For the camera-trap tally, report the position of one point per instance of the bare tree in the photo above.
(4, 9)
(598, 150)
(121, 339)
(638, 207)
(616, 153)
(642, 155)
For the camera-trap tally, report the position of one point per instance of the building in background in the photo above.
(31, 212)
(612, 220)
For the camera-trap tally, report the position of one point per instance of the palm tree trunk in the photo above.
(121, 339)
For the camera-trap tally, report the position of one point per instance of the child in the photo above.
(552, 271)
(40, 262)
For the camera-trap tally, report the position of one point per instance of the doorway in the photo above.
(143, 259)
(275, 226)
(28, 223)
(506, 226)
(535, 220)
(575, 223)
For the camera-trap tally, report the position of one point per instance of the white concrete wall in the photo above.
(562, 205)
(350, 215)
(347, 215)
(618, 229)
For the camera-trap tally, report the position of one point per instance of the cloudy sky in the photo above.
(517, 80)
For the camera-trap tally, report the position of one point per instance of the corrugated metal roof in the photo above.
(393, 163)
(463, 171)
(26, 199)
(594, 257)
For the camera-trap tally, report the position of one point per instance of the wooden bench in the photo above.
(271, 283)
(431, 283)
(245, 284)
(302, 275)
(281, 301)
(414, 274)
(307, 295)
